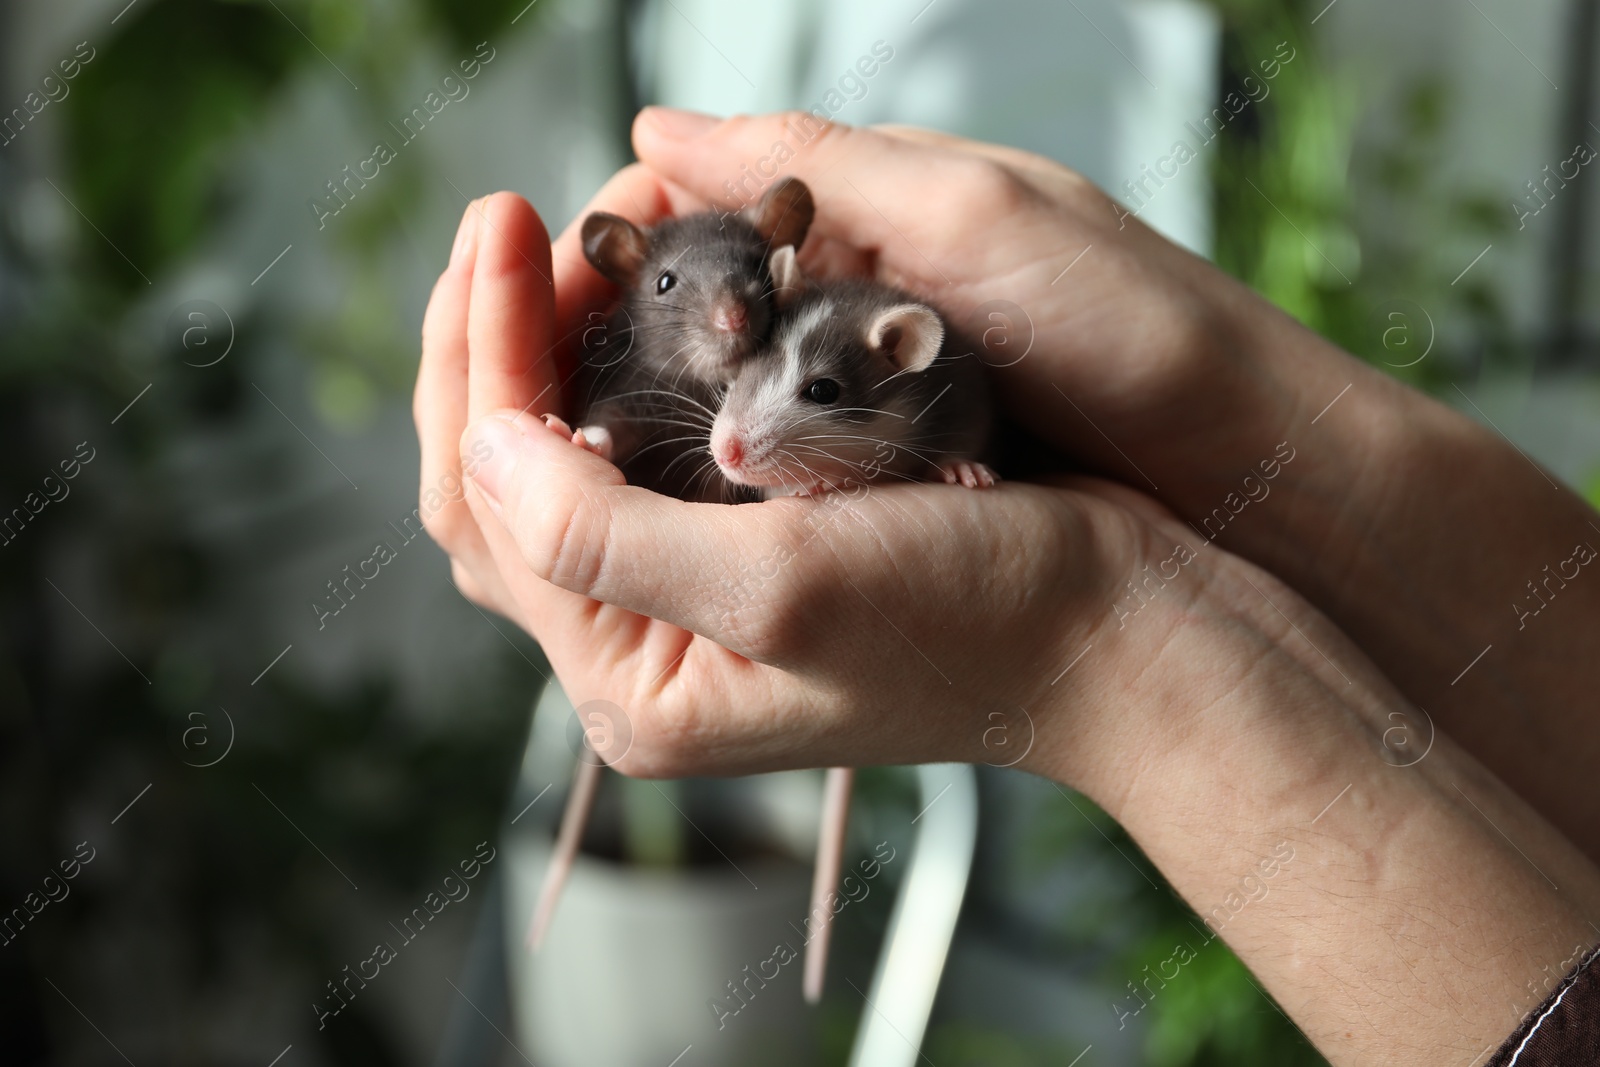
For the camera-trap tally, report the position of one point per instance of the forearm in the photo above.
(1418, 532)
(1381, 906)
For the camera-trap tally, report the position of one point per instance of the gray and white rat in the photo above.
(859, 383)
(697, 299)
(697, 296)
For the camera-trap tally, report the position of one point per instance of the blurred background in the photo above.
(278, 745)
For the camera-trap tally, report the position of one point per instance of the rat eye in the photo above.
(666, 281)
(823, 391)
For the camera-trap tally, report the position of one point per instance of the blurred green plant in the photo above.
(959, 1044)
(1212, 1013)
(152, 121)
(150, 141)
(1286, 223)
(1591, 488)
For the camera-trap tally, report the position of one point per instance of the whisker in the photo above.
(674, 394)
(688, 424)
(840, 411)
(845, 438)
(675, 440)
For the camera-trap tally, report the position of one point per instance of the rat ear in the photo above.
(784, 213)
(787, 281)
(614, 246)
(907, 335)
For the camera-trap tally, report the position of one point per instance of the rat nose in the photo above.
(728, 450)
(730, 316)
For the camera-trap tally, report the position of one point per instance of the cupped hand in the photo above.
(889, 625)
(1107, 340)
(898, 625)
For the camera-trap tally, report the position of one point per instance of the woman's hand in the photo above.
(804, 595)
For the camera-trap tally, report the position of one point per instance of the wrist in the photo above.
(1140, 680)
(1314, 453)
(1161, 679)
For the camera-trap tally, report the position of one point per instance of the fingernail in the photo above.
(466, 234)
(491, 457)
(679, 125)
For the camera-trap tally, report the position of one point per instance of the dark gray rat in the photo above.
(697, 299)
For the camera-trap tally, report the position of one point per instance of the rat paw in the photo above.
(970, 475)
(596, 439)
(557, 425)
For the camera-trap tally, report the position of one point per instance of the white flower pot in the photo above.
(635, 958)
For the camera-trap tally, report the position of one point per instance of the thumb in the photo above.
(579, 527)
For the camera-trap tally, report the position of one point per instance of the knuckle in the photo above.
(794, 118)
(563, 538)
(420, 410)
(992, 184)
(434, 329)
(1073, 184)
(469, 585)
(449, 526)
(818, 132)
(1092, 202)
